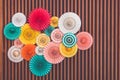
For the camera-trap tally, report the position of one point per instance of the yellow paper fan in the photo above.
(54, 21)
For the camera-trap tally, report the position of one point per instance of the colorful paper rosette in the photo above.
(85, 40)
(28, 35)
(39, 66)
(11, 32)
(54, 21)
(49, 30)
(39, 19)
(52, 53)
(39, 50)
(18, 43)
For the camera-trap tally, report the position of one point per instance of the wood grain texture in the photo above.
(101, 18)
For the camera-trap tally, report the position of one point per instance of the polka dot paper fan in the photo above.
(14, 54)
(69, 22)
(39, 66)
(19, 19)
(85, 40)
(39, 19)
(52, 53)
(56, 35)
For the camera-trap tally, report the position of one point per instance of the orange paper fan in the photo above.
(28, 51)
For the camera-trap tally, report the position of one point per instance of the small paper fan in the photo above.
(39, 19)
(85, 40)
(68, 52)
(11, 32)
(52, 53)
(69, 22)
(49, 30)
(42, 40)
(28, 35)
(39, 66)
(14, 54)
(28, 51)
(18, 43)
(19, 19)
(39, 50)
(69, 40)
(54, 21)
(56, 35)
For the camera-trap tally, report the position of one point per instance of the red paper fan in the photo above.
(52, 53)
(28, 51)
(84, 40)
(39, 19)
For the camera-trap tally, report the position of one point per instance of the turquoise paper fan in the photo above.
(11, 32)
(49, 30)
(39, 66)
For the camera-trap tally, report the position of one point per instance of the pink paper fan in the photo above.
(56, 36)
(84, 40)
(18, 43)
(39, 19)
(52, 53)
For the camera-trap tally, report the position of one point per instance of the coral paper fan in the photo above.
(52, 53)
(56, 35)
(68, 52)
(84, 40)
(39, 66)
(39, 19)
(28, 51)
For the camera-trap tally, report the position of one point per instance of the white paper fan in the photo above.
(39, 50)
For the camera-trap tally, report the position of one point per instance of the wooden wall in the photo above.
(101, 18)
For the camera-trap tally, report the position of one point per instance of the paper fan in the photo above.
(39, 19)
(39, 66)
(42, 40)
(56, 35)
(69, 40)
(54, 21)
(85, 40)
(49, 30)
(18, 43)
(14, 54)
(11, 32)
(39, 50)
(28, 51)
(52, 53)
(19, 19)
(69, 22)
(68, 52)
(28, 35)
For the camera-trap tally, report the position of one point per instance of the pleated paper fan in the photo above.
(69, 40)
(14, 54)
(69, 22)
(28, 51)
(39, 19)
(49, 30)
(28, 35)
(56, 36)
(19, 19)
(68, 52)
(54, 21)
(52, 53)
(11, 32)
(39, 50)
(85, 40)
(18, 43)
(39, 66)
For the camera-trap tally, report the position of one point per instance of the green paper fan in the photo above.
(39, 66)
(11, 32)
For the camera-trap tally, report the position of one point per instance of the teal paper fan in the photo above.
(11, 32)
(39, 66)
(49, 30)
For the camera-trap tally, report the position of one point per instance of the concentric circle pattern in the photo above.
(69, 40)
(85, 40)
(28, 35)
(42, 40)
(52, 53)
(56, 35)
(39, 66)
(68, 52)
(11, 32)
(14, 54)
(69, 22)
